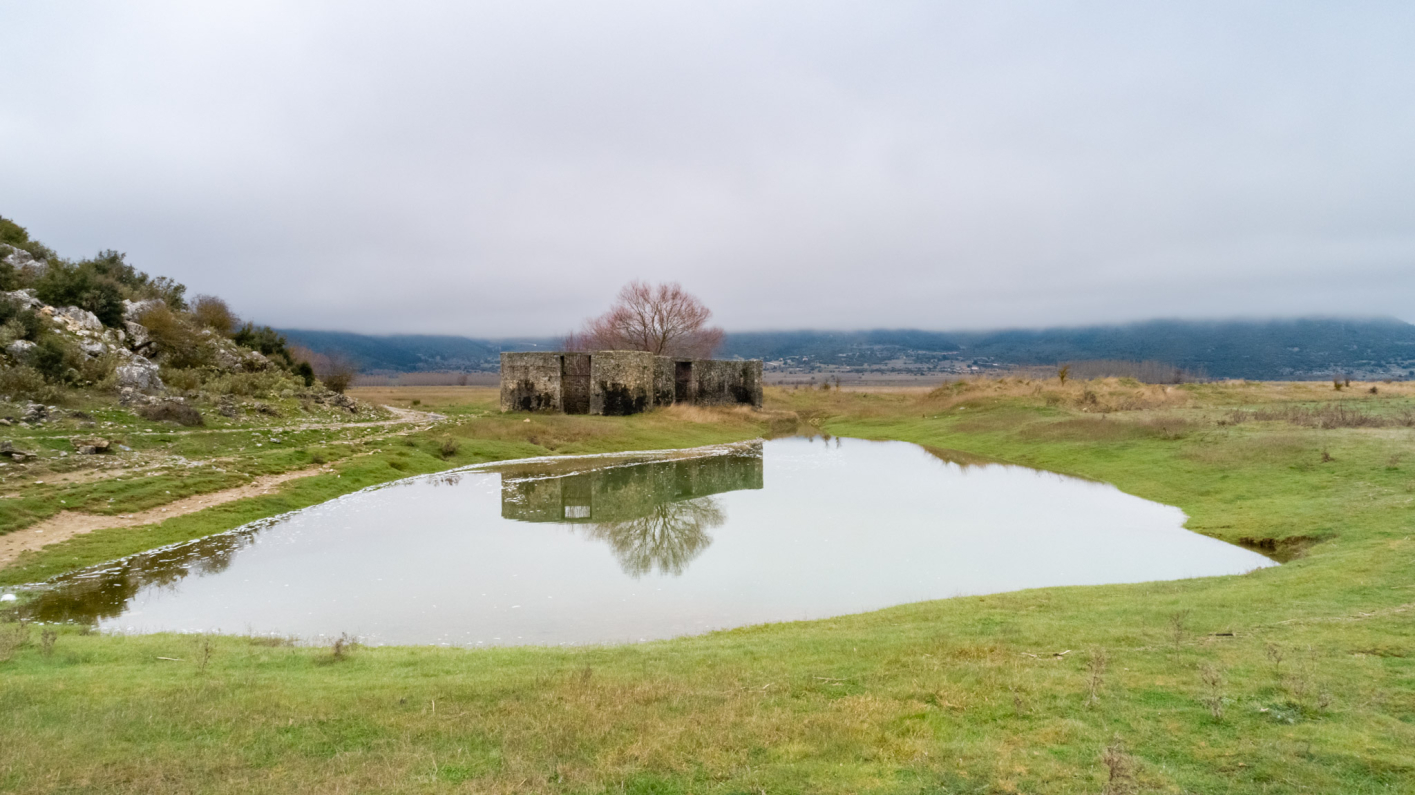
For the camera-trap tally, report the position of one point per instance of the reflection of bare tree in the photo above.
(667, 538)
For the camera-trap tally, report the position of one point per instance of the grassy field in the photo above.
(1299, 678)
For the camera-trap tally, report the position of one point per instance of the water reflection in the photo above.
(630, 547)
(655, 516)
(105, 592)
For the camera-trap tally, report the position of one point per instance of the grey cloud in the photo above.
(501, 168)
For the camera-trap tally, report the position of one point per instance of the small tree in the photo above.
(213, 313)
(663, 319)
(337, 371)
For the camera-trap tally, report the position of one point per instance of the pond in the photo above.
(644, 546)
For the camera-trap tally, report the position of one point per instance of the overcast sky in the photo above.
(498, 169)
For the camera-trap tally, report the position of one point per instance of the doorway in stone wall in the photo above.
(682, 382)
(575, 383)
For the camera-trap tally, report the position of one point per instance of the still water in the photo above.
(645, 546)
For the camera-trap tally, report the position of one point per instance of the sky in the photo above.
(502, 168)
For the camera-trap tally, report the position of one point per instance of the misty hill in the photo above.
(407, 353)
(1276, 349)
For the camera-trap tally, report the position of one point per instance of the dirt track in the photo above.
(67, 524)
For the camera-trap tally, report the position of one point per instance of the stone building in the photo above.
(623, 382)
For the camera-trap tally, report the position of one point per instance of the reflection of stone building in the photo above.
(655, 516)
(618, 493)
(623, 382)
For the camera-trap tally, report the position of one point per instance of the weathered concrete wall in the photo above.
(575, 383)
(721, 382)
(662, 381)
(530, 381)
(617, 383)
(621, 382)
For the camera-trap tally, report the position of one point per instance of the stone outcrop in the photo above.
(20, 350)
(19, 259)
(138, 373)
(90, 445)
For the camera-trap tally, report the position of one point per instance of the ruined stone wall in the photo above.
(720, 382)
(621, 382)
(530, 381)
(618, 383)
(662, 381)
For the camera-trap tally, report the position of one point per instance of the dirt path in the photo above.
(67, 524)
(400, 417)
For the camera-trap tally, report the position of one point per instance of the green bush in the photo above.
(270, 382)
(25, 382)
(12, 234)
(20, 323)
(53, 359)
(67, 284)
(267, 341)
(136, 285)
(305, 370)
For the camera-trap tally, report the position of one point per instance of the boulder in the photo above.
(24, 298)
(141, 341)
(138, 373)
(132, 310)
(20, 259)
(91, 445)
(35, 413)
(19, 350)
(229, 360)
(78, 319)
(92, 348)
(7, 450)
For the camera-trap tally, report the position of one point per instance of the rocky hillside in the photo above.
(101, 328)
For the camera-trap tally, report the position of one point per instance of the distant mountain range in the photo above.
(1272, 349)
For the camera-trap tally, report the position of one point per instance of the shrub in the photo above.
(267, 341)
(213, 313)
(449, 448)
(67, 284)
(12, 234)
(20, 323)
(171, 411)
(26, 382)
(178, 342)
(305, 370)
(53, 359)
(249, 384)
(136, 285)
(338, 380)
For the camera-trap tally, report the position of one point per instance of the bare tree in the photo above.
(663, 319)
(335, 369)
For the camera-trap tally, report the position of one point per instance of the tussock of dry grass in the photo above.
(1102, 395)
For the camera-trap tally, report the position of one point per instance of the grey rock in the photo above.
(93, 348)
(141, 341)
(35, 413)
(79, 319)
(229, 360)
(20, 349)
(24, 298)
(20, 259)
(138, 373)
(133, 309)
(92, 445)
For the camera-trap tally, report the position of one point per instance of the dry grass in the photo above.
(1104, 395)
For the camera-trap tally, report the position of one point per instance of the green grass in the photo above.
(1317, 657)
